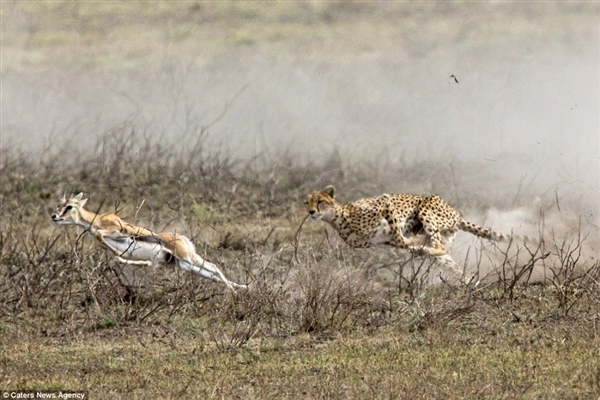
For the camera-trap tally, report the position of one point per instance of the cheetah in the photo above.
(423, 225)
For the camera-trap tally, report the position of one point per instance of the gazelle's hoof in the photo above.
(235, 286)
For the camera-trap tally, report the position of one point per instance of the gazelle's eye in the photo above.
(69, 207)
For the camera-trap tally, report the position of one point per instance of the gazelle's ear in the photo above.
(330, 191)
(82, 202)
(78, 197)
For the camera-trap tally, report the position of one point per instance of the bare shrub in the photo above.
(239, 318)
(262, 310)
(570, 275)
(437, 307)
(32, 276)
(161, 295)
(247, 217)
(517, 265)
(331, 295)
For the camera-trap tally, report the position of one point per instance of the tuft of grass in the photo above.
(104, 324)
(203, 213)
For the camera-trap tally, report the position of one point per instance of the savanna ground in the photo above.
(321, 320)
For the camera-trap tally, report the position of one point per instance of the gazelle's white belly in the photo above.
(132, 249)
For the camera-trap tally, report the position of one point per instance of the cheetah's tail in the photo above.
(489, 234)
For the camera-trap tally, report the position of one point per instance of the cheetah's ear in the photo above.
(330, 191)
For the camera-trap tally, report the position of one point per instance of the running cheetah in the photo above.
(423, 225)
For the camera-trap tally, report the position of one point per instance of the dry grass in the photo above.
(38, 35)
(321, 320)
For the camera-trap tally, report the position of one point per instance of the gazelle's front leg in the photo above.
(139, 263)
(104, 237)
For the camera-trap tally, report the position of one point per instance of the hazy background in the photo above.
(370, 80)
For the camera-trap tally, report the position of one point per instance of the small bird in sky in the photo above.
(454, 76)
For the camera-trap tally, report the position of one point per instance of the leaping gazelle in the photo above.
(134, 245)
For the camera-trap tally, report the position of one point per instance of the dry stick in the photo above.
(264, 242)
(90, 224)
(533, 253)
(454, 185)
(296, 236)
(138, 209)
(226, 108)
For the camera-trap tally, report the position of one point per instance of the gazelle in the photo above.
(135, 245)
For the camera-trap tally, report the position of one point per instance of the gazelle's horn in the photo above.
(64, 196)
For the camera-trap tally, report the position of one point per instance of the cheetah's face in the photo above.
(320, 205)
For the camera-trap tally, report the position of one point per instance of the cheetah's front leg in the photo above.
(414, 244)
(437, 248)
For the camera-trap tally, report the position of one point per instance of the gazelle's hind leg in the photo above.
(447, 262)
(207, 270)
(448, 240)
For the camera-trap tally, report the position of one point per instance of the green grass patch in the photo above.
(387, 364)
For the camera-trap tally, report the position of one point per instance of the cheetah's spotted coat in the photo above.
(424, 225)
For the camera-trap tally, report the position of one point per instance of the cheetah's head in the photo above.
(321, 205)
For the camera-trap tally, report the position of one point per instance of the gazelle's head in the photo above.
(321, 205)
(68, 210)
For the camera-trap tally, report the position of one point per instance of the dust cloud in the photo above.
(521, 118)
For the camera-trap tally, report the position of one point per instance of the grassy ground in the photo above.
(321, 320)
(445, 362)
